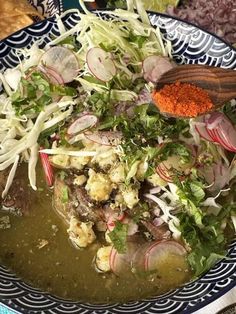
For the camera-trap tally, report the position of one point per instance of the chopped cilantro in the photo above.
(36, 92)
(175, 148)
(137, 39)
(65, 194)
(191, 193)
(207, 242)
(118, 236)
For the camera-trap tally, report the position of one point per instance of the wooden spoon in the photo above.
(219, 83)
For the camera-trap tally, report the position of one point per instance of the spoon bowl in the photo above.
(219, 83)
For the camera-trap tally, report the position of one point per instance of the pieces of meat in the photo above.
(86, 209)
(78, 203)
(18, 197)
(158, 233)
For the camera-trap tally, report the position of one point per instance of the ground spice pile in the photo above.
(182, 99)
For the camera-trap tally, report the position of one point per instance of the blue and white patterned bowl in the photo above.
(190, 45)
(47, 8)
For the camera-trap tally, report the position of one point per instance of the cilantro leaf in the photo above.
(208, 241)
(175, 148)
(118, 236)
(37, 92)
(191, 193)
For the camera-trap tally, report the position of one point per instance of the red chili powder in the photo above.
(182, 99)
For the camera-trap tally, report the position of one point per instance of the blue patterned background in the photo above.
(194, 46)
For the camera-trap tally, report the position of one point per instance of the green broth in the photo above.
(67, 272)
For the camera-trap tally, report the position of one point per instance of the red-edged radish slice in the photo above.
(154, 67)
(209, 131)
(201, 129)
(61, 60)
(228, 133)
(214, 119)
(120, 264)
(160, 251)
(51, 74)
(166, 168)
(82, 123)
(151, 256)
(108, 138)
(47, 168)
(222, 141)
(220, 128)
(100, 64)
(164, 175)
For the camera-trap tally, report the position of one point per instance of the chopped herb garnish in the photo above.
(118, 236)
(65, 194)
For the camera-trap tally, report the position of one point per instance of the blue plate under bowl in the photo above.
(190, 45)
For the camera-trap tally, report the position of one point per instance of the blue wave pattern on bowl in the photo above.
(190, 45)
(47, 7)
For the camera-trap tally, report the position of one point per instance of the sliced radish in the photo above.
(228, 133)
(214, 119)
(47, 168)
(166, 168)
(222, 131)
(222, 141)
(52, 75)
(149, 256)
(164, 175)
(62, 61)
(108, 138)
(154, 67)
(82, 123)
(222, 176)
(101, 64)
(120, 264)
(161, 250)
(201, 129)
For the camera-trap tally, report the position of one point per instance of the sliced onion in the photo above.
(61, 60)
(214, 120)
(120, 264)
(216, 175)
(222, 176)
(100, 64)
(155, 190)
(158, 221)
(82, 123)
(47, 168)
(207, 172)
(107, 138)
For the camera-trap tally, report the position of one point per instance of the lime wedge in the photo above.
(159, 5)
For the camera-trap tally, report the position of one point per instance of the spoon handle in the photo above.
(227, 84)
